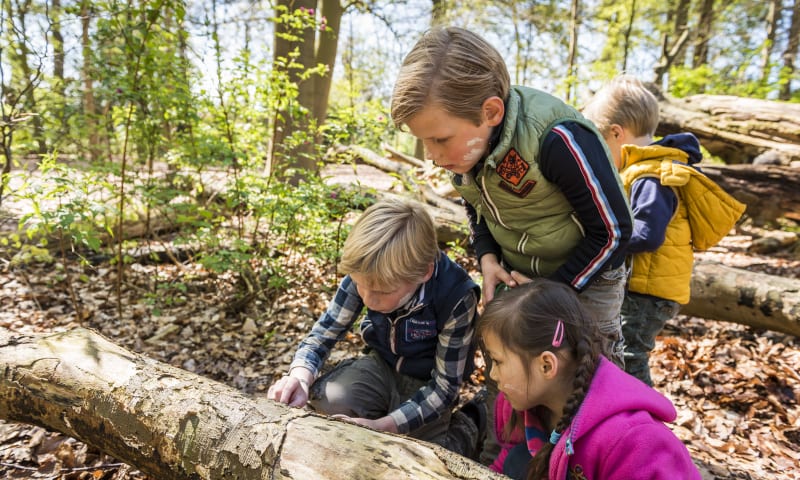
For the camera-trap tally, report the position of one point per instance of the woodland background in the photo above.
(180, 176)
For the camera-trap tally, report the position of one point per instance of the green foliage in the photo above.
(688, 81)
(368, 124)
(66, 205)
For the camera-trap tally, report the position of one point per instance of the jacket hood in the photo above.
(629, 394)
(686, 142)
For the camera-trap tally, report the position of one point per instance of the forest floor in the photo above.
(736, 388)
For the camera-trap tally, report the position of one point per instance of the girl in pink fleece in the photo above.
(583, 418)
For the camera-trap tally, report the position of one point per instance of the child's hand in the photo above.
(493, 274)
(291, 390)
(520, 278)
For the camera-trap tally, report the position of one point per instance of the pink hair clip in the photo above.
(558, 335)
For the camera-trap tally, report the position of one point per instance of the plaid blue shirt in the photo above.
(452, 351)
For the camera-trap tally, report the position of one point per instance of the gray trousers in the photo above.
(367, 387)
(604, 299)
(643, 317)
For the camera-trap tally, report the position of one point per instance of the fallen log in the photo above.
(373, 171)
(173, 424)
(735, 129)
(749, 298)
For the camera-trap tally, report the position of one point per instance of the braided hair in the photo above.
(525, 320)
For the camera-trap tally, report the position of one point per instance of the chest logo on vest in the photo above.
(512, 169)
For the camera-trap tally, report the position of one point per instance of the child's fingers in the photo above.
(520, 278)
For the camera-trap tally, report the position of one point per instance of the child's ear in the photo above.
(493, 110)
(429, 274)
(548, 364)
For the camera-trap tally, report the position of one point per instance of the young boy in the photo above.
(420, 312)
(542, 196)
(675, 209)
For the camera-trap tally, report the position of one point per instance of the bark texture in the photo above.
(735, 295)
(172, 424)
(734, 128)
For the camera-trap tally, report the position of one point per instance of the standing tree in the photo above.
(17, 86)
(703, 35)
(306, 61)
(673, 44)
(789, 55)
(773, 14)
(572, 49)
(90, 113)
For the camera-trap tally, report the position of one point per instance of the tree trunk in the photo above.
(173, 424)
(626, 36)
(448, 215)
(741, 296)
(769, 191)
(733, 128)
(87, 73)
(703, 36)
(332, 11)
(572, 49)
(673, 42)
(773, 14)
(295, 117)
(787, 73)
(56, 15)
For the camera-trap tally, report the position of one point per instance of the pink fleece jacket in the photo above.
(617, 434)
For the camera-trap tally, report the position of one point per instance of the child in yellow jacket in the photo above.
(676, 210)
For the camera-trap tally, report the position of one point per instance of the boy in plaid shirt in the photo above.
(418, 327)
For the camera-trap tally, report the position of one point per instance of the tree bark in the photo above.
(172, 424)
(332, 11)
(733, 128)
(736, 295)
(773, 15)
(788, 71)
(289, 120)
(449, 216)
(703, 34)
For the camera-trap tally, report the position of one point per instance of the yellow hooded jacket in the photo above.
(705, 214)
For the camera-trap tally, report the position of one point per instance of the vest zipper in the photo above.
(393, 335)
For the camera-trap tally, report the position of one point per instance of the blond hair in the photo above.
(626, 102)
(394, 241)
(451, 68)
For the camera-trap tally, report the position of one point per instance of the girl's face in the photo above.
(454, 143)
(524, 386)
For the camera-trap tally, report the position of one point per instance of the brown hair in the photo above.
(524, 319)
(626, 102)
(452, 68)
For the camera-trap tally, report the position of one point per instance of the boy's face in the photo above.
(454, 143)
(385, 300)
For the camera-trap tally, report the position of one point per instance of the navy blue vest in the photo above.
(407, 340)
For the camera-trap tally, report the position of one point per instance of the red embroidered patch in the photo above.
(522, 191)
(512, 168)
